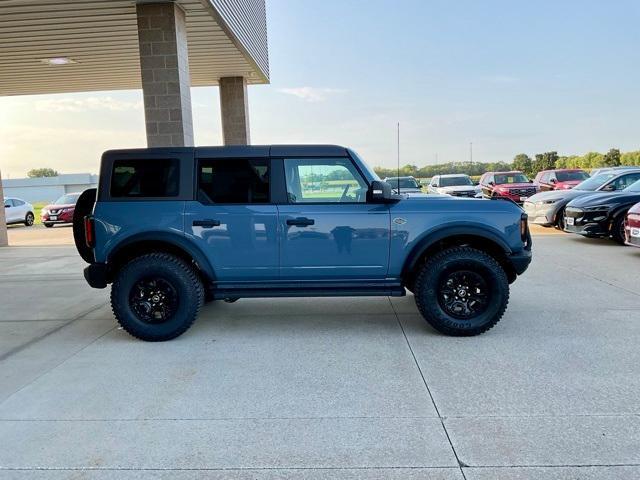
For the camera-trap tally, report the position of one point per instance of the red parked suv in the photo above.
(559, 179)
(60, 211)
(511, 185)
(632, 229)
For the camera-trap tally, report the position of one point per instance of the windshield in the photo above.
(69, 199)
(455, 181)
(502, 178)
(578, 175)
(591, 184)
(634, 187)
(403, 182)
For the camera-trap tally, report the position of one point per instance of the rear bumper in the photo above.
(96, 275)
(521, 261)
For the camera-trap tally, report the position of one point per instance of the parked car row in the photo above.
(60, 212)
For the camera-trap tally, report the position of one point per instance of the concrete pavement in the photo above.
(325, 388)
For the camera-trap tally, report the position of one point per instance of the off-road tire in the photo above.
(617, 229)
(182, 277)
(29, 219)
(453, 259)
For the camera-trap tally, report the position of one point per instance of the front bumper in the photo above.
(540, 213)
(587, 223)
(96, 275)
(632, 234)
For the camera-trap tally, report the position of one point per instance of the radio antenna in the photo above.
(398, 153)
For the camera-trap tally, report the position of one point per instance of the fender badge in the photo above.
(399, 221)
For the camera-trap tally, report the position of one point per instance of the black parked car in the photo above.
(602, 214)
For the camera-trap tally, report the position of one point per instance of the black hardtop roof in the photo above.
(241, 151)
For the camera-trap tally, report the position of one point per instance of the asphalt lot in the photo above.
(325, 388)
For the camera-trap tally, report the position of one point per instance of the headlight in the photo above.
(548, 202)
(597, 208)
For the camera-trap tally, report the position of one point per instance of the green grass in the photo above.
(36, 212)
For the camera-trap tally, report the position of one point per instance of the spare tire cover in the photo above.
(84, 207)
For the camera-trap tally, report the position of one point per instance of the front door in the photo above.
(9, 211)
(329, 232)
(233, 220)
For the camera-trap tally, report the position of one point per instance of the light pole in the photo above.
(471, 152)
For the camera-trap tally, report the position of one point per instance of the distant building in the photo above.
(46, 189)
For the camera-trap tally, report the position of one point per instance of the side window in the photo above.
(320, 180)
(233, 180)
(17, 203)
(8, 203)
(145, 178)
(626, 180)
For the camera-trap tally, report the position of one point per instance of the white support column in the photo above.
(164, 64)
(234, 108)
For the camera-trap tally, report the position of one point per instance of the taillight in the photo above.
(89, 231)
(524, 227)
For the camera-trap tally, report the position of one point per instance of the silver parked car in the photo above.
(404, 184)
(18, 211)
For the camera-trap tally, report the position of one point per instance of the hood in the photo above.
(605, 198)
(459, 188)
(557, 195)
(571, 183)
(59, 207)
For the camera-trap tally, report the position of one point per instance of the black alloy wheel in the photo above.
(463, 294)
(153, 300)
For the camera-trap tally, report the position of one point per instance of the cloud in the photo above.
(312, 94)
(86, 104)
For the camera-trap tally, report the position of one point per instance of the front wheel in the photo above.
(560, 222)
(462, 291)
(156, 297)
(618, 228)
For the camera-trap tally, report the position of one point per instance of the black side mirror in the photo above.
(491, 184)
(609, 188)
(552, 180)
(380, 192)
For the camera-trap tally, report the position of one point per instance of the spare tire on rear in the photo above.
(84, 207)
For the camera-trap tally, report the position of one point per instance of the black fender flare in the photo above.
(436, 236)
(175, 240)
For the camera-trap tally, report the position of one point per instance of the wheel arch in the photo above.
(166, 242)
(475, 237)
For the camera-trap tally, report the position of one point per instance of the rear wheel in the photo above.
(28, 219)
(617, 229)
(48, 225)
(156, 297)
(462, 291)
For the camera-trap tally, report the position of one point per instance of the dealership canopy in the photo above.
(161, 47)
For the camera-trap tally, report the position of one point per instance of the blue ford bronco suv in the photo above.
(170, 228)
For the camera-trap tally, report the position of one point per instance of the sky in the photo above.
(507, 76)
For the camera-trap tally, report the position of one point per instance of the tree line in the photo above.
(522, 162)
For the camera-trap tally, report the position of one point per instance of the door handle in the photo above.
(207, 223)
(300, 222)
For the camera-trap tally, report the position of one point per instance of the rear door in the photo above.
(329, 231)
(233, 219)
